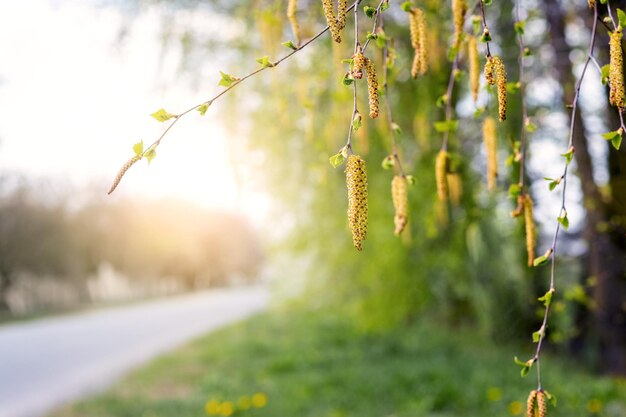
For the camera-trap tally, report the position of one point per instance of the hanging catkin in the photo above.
(399, 195)
(441, 169)
(122, 171)
(335, 22)
(490, 140)
(541, 404)
(372, 87)
(616, 76)
(455, 188)
(358, 63)
(292, 5)
(530, 404)
(530, 229)
(474, 66)
(501, 85)
(356, 180)
(417, 26)
(490, 75)
(459, 8)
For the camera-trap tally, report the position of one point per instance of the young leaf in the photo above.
(407, 6)
(388, 162)
(138, 148)
(369, 11)
(384, 6)
(202, 109)
(525, 366)
(617, 142)
(514, 190)
(395, 128)
(569, 155)
(605, 71)
(150, 154)
(487, 2)
(371, 36)
(442, 100)
(513, 87)
(539, 334)
(550, 397)
(447, 126)
(477, 23)
(336, 160)
(227, 80)
(563, 220)
(621, 16)
(265, 62)
(543, 259)
(162, 115)
(615, 137)
(519, 27)
(486, 36)
(547, 298)
(348, 79)
(290, 45)
(410, 179)
(530, 126)
(356, 121)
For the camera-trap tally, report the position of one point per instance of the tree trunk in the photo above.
(607, 257)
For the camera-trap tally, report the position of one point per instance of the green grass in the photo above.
(316, 365)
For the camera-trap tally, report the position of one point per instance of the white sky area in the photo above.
(73, 101)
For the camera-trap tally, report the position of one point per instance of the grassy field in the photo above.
(297, 364)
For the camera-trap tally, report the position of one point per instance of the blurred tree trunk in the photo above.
(603, 230)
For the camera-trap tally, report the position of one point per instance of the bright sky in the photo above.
(73, 101)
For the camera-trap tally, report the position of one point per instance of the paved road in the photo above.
(47, 362)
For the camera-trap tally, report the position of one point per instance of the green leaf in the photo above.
(202, 109)
(138, 148)
(604, 72)
(265, 62)
(369, 11)
(550, 397)
(487, 2)
(539, 334)
(150, 154)
(621, 16)
(347, 79)
(530, 126)
(410, 179)
(388, 162)
(527, 51)
(384, 6)
(563, 220)
(615, 137)
(568, 155)
(162, 115)
(356, 121)
(543, 259)
(477, 23)
(525, 366)
(371, 36)
(519, 27)
(553, 182)
(395, 128)
(486, 36)
(479, 112)
(227, 80)
(546, 299)
(447, 126)
(407, 6)
(442, 100)
(336, 160)
(603, 1)
(290, 45)
(514, 190)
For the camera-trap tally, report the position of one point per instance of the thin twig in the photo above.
(522, 90)
(562, 210)
(355, 109)
(485, 27)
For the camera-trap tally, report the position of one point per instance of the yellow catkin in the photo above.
(358, 63)
(413, 29)
(530, 404)
(372, 88)
(459, 8)
(591, 3)
(356, 180)
(530, 229)
(490, 75)
(342, 13)
(421, 50)
(490, 140)
(441, 169)
(331, 20)
(455, 188)
(122, 171)
(399, 195)
(519, 210)
(292, 5)
(501, 85)
(474, 66)
(616, 76)
(542, 408)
